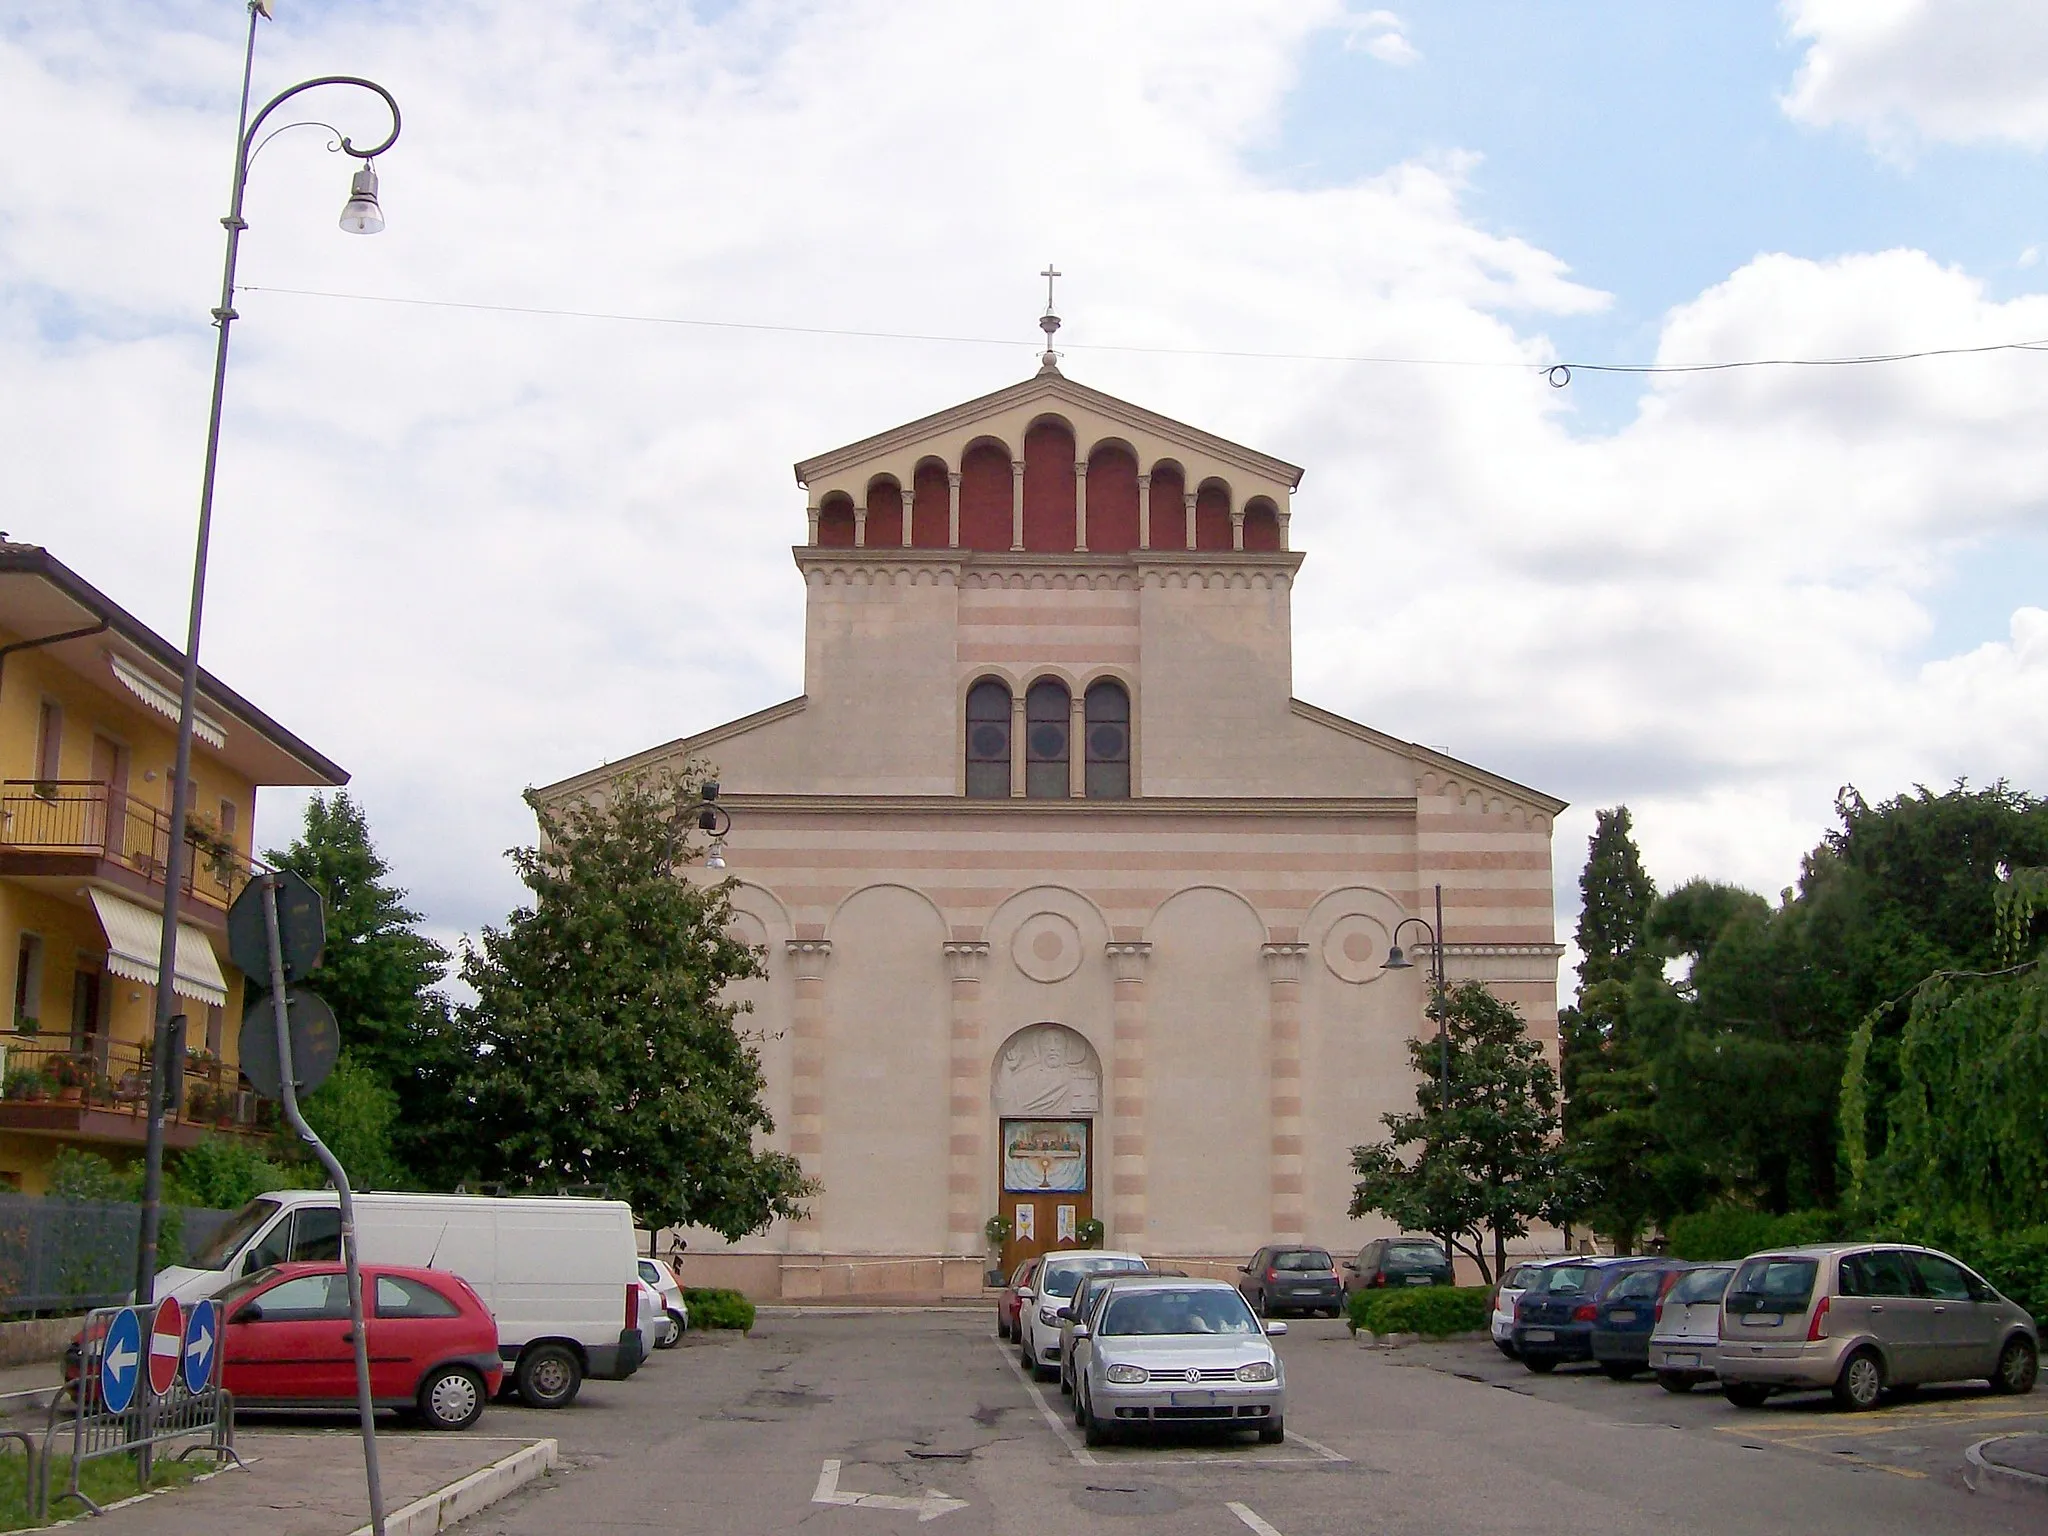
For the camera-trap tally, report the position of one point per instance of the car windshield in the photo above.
(240, 1228)
(1210, 1309)
(1772, 1285)
(1518, 1277)
(1065, 1279)
(1415, 1253)
(242, 1287)
(1302, 1259)
(1700, 1285)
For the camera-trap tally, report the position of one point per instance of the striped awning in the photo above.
(135, 937)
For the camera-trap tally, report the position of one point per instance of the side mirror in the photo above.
(252, 1313)
(1276, 1329)
(1081, 1331)
(1351, 1265)
(1025, 1293)
(1244, 1269)
(1064, 1313)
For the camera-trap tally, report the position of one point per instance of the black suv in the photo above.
(1396, 1261)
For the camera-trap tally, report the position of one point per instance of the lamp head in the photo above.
(361, 215)
(715, 857)
(1396, 961)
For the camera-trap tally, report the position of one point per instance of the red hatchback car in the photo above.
(433, 1343)
(1009, 1302)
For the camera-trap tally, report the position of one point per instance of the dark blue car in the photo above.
(1554, 1318)
(1628, 1315)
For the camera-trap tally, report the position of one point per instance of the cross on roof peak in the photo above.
(1049, 322)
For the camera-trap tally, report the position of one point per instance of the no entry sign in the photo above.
(166, 1345)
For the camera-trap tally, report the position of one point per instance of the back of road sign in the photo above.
(301, 929)
(315, 1037)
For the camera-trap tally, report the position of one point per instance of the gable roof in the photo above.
(1050, 385)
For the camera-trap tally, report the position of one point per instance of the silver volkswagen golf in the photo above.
(1172, 1351)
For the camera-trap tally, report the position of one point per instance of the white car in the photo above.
(1505, 1295)
(675, 1312)
(1038, 1312)
(1689, 1328)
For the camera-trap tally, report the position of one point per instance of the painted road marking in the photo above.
(927, 1506)
(1251, 1519)
(1063, 1428)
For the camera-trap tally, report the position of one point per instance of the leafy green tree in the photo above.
(604, 1053)
(379, 974)
(224, 1173)
(354, 1113)
(1481, 1160)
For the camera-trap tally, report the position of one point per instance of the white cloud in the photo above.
(1382, 35)
(1961, 71)
(466, 552)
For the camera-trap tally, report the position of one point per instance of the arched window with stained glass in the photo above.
(1047, 724)
(988, 740)
(1107, 710)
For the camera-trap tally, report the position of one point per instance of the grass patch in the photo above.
(105, 1481)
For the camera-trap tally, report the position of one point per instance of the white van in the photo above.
(559, 1274)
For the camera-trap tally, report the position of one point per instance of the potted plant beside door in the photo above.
(999, 1230)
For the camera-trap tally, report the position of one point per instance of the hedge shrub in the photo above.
(711, 1308)
(1729, 1232)
(1430, 1310)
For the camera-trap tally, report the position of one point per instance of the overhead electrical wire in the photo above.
(1557, 374)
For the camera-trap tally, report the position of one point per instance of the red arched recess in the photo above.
(835, 523)
(885, 515)
(1169, 508)
(985, 498)
(1212, 518)
(1048, 488)
(931, 518)
(1112, 501)
(1261, 527)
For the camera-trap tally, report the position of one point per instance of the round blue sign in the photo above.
(121, 1360)
(202, 1346)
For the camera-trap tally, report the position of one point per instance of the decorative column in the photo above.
(1189, 498)
(1237, 528)
(860, 527)
(1080, 506)
(1283, 1006)
(1127, 1217)
(909, 511)
(1144, 511)
(966, 1153)
(1077, 746)
(807, 959)
(811, 518)
(1017, 747)
(1016, 504)
(952, 510)
(1283, 529)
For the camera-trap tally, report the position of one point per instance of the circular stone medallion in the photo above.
(1355, 948)
(1047, 947)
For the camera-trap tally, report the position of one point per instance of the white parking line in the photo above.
(1081, 1453)
(1252, 1520)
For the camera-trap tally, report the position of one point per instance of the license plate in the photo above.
(1418, 1279)
(1306, 1290)
(1765, 1320)
(1539, 1335)
(1194, 1399)
(1622, 1317)
(1692, 1360)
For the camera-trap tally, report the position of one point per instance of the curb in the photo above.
(34, 1400)
(1987, 1477)
(465, 1496)
(1367, 1339)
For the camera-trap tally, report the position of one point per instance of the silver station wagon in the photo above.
(1856, 1318)
(1166, 1352)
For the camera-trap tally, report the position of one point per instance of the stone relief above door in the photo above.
(1047, 1069)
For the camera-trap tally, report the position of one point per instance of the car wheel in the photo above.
(549, 1376)
(452, 1398)
(1506, 1347)
(1745, 1394)
(1002, 1327)
(1861, 1383)
(1093, 1430)
(2018, 1366)
(671, 1332)
(1274, 1430)
(1674, 1381)
(1066, 1381)
(1620, 1370)
(1080, 1410)
(1542, 1365)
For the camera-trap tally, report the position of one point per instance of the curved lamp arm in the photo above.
(347, 145)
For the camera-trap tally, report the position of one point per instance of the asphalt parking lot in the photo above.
(886, 1422)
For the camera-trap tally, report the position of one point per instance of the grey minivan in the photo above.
(1856, 1318)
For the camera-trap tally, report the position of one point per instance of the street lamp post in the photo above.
(1397, 961)
(361, 216)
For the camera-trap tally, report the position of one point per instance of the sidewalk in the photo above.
(304, 1483)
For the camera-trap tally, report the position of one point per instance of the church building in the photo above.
(1071, 910)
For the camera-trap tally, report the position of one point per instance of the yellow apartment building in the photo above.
(88, 727)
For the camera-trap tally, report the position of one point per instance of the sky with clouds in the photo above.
(463, 551)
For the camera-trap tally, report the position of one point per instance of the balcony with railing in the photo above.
(77, 828)
(98, 1090)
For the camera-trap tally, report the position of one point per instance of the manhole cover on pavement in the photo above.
(1128, 1499)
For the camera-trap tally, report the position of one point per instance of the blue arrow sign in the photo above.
(202, 1338)
(121, 1360)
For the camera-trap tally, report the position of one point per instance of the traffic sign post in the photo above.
(121, 1360)
(202, 1346)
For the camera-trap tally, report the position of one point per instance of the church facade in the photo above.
(1071, 910)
